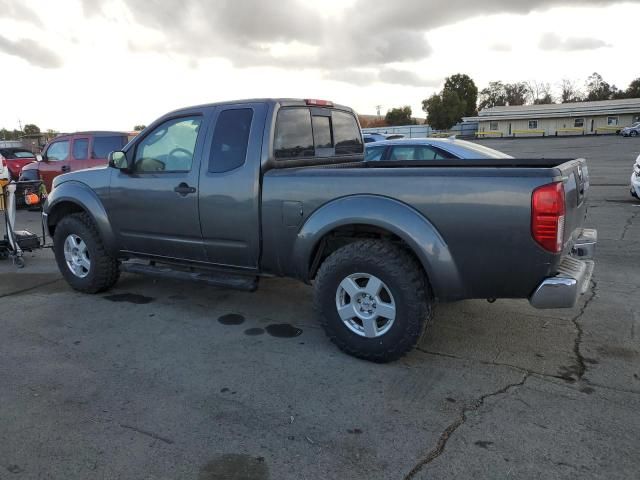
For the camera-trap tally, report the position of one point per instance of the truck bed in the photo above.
(480, 208)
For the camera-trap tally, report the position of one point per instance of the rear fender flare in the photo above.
(394, 216)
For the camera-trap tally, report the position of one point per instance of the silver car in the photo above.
(631, 131)
(429, 149)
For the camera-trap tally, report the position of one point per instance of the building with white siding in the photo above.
(583, 118)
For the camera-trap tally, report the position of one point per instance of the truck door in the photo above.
(154, 208)
(230, 185)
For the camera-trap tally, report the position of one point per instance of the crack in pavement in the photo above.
(581, 366)
(457, 423)
(28, 289)
(628, 225)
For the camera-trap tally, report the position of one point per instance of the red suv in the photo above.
(16, 159)
(76, 151)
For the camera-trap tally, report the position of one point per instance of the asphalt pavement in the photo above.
(166, 380)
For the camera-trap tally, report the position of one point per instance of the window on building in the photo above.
(636, 118)
(493, 126)
(612, 121)
(533, 124)
(230, 140)
(578, 123)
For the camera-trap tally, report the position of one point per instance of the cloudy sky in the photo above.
(110, 64)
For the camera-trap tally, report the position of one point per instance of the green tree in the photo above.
(633, 91)
(599, 89)
(399, 116)
(139, 128)
(444, 110)
(516, 93)
(466, 89)
(31, 129)
(493, 96)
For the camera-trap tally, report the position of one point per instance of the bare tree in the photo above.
(539, 93)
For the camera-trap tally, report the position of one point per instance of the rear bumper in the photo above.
(573, 277)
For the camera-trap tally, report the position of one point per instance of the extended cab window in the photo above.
(230, 140)
(103, 146)
(81, 149)
(294, 137)
(58, 151)
(169, 147)
(346, 133)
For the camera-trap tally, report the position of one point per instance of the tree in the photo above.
(516, 93)
(569, 92)
(492, 96)
(539, 93)
(139, 128)
(633, 91)
(598, 89)
(31, 129)
(399, 116)
(444, 110)
(466, 90)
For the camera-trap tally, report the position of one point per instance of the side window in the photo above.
(169, 147)
(373, 154)
(346, 134)
(81, 149)
(58, 151)
(103, 146)
(293, 136)
(230, 140)
(402, 153)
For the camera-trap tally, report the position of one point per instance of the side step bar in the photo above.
(236, 282)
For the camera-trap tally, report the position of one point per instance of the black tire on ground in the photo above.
(634, 133)
(404, 278)
(104, 269)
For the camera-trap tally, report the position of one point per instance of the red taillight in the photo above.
(547, 216)
(319, 103)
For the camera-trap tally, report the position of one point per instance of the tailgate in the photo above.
(575, 175)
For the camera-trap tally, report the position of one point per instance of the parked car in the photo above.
(378, 137)
(635, 179)
(16, 159)
(429, 149)
(230, 192)
(631, 131)
(76, 151)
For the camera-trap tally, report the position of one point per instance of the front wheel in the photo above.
(81, 255)
(373, 300)
(634, 133)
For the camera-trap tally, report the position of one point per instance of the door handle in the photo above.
(184, 189)
(65, 168)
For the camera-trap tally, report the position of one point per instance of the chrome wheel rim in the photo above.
(365, 305)
(76, 255)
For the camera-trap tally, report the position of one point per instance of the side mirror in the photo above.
(118, 160)
(39, 158)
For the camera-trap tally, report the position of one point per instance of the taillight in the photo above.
(319, 103)
(547, 216)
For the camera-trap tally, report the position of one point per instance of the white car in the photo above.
(635, 179)
(631, 131)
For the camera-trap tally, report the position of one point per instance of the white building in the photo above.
(583, 118)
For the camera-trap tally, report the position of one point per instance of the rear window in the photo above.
(103, 146)
(11, 153)
(230, 139)
(301, 132)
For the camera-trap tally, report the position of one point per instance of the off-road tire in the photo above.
(405, 279)
(104, 271)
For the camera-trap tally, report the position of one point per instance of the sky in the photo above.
(111, 64)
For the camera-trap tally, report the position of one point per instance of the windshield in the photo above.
(481, 150)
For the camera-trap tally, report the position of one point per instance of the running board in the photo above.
(236, 282)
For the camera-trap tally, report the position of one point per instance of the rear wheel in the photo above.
(81, 255)
(373, 300)
(633, 133)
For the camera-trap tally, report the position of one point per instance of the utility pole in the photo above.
(20, 125)
(378, 107)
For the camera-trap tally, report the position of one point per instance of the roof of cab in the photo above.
(284, 102)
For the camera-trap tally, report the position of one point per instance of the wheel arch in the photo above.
(348, 219)
(75, 197)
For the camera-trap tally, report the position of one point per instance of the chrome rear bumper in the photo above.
(573, 277)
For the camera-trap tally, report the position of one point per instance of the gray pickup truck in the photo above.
(231, 192)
